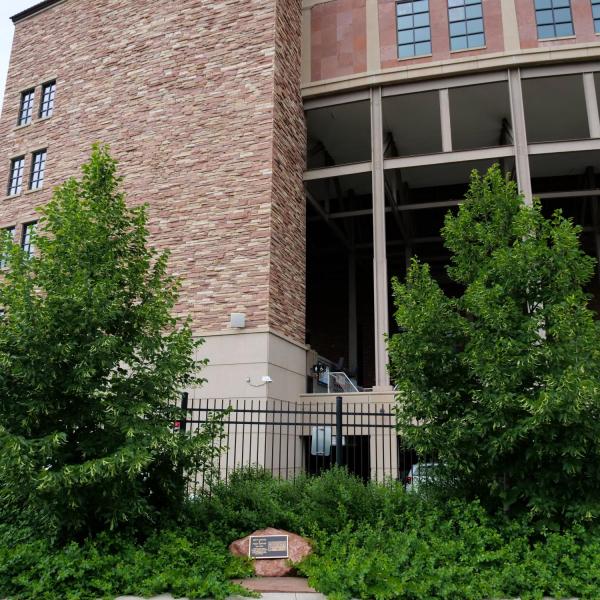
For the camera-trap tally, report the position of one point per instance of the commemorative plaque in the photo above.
(268, 546)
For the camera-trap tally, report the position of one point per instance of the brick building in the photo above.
(296, 153)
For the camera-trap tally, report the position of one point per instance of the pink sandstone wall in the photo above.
(440, 37)
(582, 23)
(184, 94)
(338, 39)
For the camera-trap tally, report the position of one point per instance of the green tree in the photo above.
(502, 383)
(91, 363)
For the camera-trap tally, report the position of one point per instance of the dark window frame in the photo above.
(473, 39)
(12, 230)
(47, 99)
(38, 169)
(554, 9)
(418, 28)
(596, 15)
(15, 176)
(26, 104)
(28, 229)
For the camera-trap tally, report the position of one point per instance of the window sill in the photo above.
(468, 49)
(13, 196)
(560, 37)
(402, 59)
(24, 125)
(41, 119)
(39, 189)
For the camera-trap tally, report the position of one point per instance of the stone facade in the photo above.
(200, 103)
(347, 38)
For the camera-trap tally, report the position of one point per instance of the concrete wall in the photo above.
(235, 358)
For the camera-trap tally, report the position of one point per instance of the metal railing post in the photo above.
(339, 450)
(184, 408)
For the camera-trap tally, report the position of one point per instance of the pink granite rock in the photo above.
(298, 548)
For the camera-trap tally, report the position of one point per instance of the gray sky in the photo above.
(8, 8)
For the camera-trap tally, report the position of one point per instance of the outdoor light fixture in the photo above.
(237, 320)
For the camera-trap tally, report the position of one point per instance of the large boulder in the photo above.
(298, 548)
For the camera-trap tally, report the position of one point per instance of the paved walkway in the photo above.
(265, 596)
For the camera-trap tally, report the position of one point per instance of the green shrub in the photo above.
(500, 382)
(454, 552)
(180, 562)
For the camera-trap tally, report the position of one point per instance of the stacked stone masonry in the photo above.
(200, 103)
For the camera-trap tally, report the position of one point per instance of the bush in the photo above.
(500, 383)
(181, 562)
(370, 541)
(92, 360)
(456, 552)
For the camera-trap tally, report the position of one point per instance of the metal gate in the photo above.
(290, 438)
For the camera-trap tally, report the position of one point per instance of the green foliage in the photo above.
(252, 499)
(502, 383)
(397, 546)
(180, 562)
(91, 360)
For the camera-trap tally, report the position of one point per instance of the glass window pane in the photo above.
(563, 29)
(476, 40)
(458, 29)
(544, 17)
(458, 43)
(562, 15)
(406, 37)
(406, 51)
(404, 8)
(423, 34)
(421, 6)
(456, 14)
(421, 20)
(473, 12)
(596, 11)
(561, 3)
(423, 48)
(405, 22)
(540, 4)
(475, 26)
(546, 31)
(452, 3)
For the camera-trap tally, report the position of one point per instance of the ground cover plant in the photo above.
(371, 541)
(502, 382)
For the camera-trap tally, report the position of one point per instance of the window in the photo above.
(596, 14)
(26, 239)
(15, 181)
(26, 108)
(466, 24)
(38, 165)
(47, 104)
(553, 18)
(11, 232)
(414, 32)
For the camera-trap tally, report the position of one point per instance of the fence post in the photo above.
(339, 447)
(184, 407)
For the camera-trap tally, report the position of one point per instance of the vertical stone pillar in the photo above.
(520, 134)
(380, 279)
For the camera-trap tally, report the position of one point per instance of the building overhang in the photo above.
(33, 10)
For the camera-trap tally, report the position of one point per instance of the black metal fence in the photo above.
(290, 438)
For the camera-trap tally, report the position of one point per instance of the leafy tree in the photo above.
(502, 383)
(91, 363)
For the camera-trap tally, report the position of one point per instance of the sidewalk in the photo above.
(266, 596)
